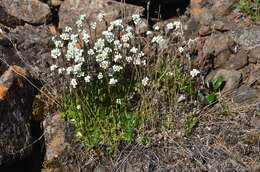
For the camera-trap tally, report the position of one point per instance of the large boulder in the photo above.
(218, 8)
(16, 11)
(71, 10)
(16, 98)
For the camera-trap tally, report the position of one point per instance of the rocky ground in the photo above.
(227, 44)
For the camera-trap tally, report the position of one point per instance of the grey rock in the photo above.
(248, 38)
(245, 94)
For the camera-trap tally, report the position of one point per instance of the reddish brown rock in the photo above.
(218, 8)
(71, 10)
(32, 11)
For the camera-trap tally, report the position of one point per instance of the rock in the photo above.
(217, 43)
(232, 78)
(205, 30)
(54, 132)
(223, 24)
(31, 11)
(34, 44)
(190, 26)
(248, 38)
(70, 11)
(218, 8)
(245, 94)
(254, 54)
(16, 97)
(56, 2)
(236, 61)
(206, 19)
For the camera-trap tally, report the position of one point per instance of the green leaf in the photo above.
(212, 97)
(218, 82)
(201, 97)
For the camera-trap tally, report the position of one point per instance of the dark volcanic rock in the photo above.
(16, 97)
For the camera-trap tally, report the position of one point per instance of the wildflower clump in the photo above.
(112, 79)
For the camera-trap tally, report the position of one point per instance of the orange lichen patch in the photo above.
(3, 92)
(20, 82)
(19, 70)
(53, 30)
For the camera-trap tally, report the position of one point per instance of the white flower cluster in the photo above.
(110, 52)
(157, 39)
(136, 18)
(194, 73)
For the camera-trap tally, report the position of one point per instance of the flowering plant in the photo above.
(110, 77)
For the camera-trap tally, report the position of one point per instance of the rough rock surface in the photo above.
(31, 11)
(16, 96)
(218, 8)
(70, 11)
(248, 38)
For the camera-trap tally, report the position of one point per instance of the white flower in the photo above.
(101, 16)
(93, 25)
(170, 26)
(133, 50)
(60, 70)
(117, 24)
(58, 44)
(181, 98)
(87, 78)
(117, 45)
(55, 53)
(65, 36)
(128, 29)
(117, 68)
(112, 81)
(126, 37)
(145, 81)
(128, 59)
(136, 18)
(78, 107)
(117, 57)
(69, 70)
(73, 83)
(157, 39)
(85, 36)
(68, 29)
(126, 45)
(91, 52)
(53, 67)
(109, 36)
(104, 64)
(140, 54)
(118, 101)
(156, 28)
(181, 50)
(99, 44)
(177, 24)
(194, 73)
(79, 23)
(149, 32)
(74, 37)
(100, 75)
(82, 16)
(137, 61)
